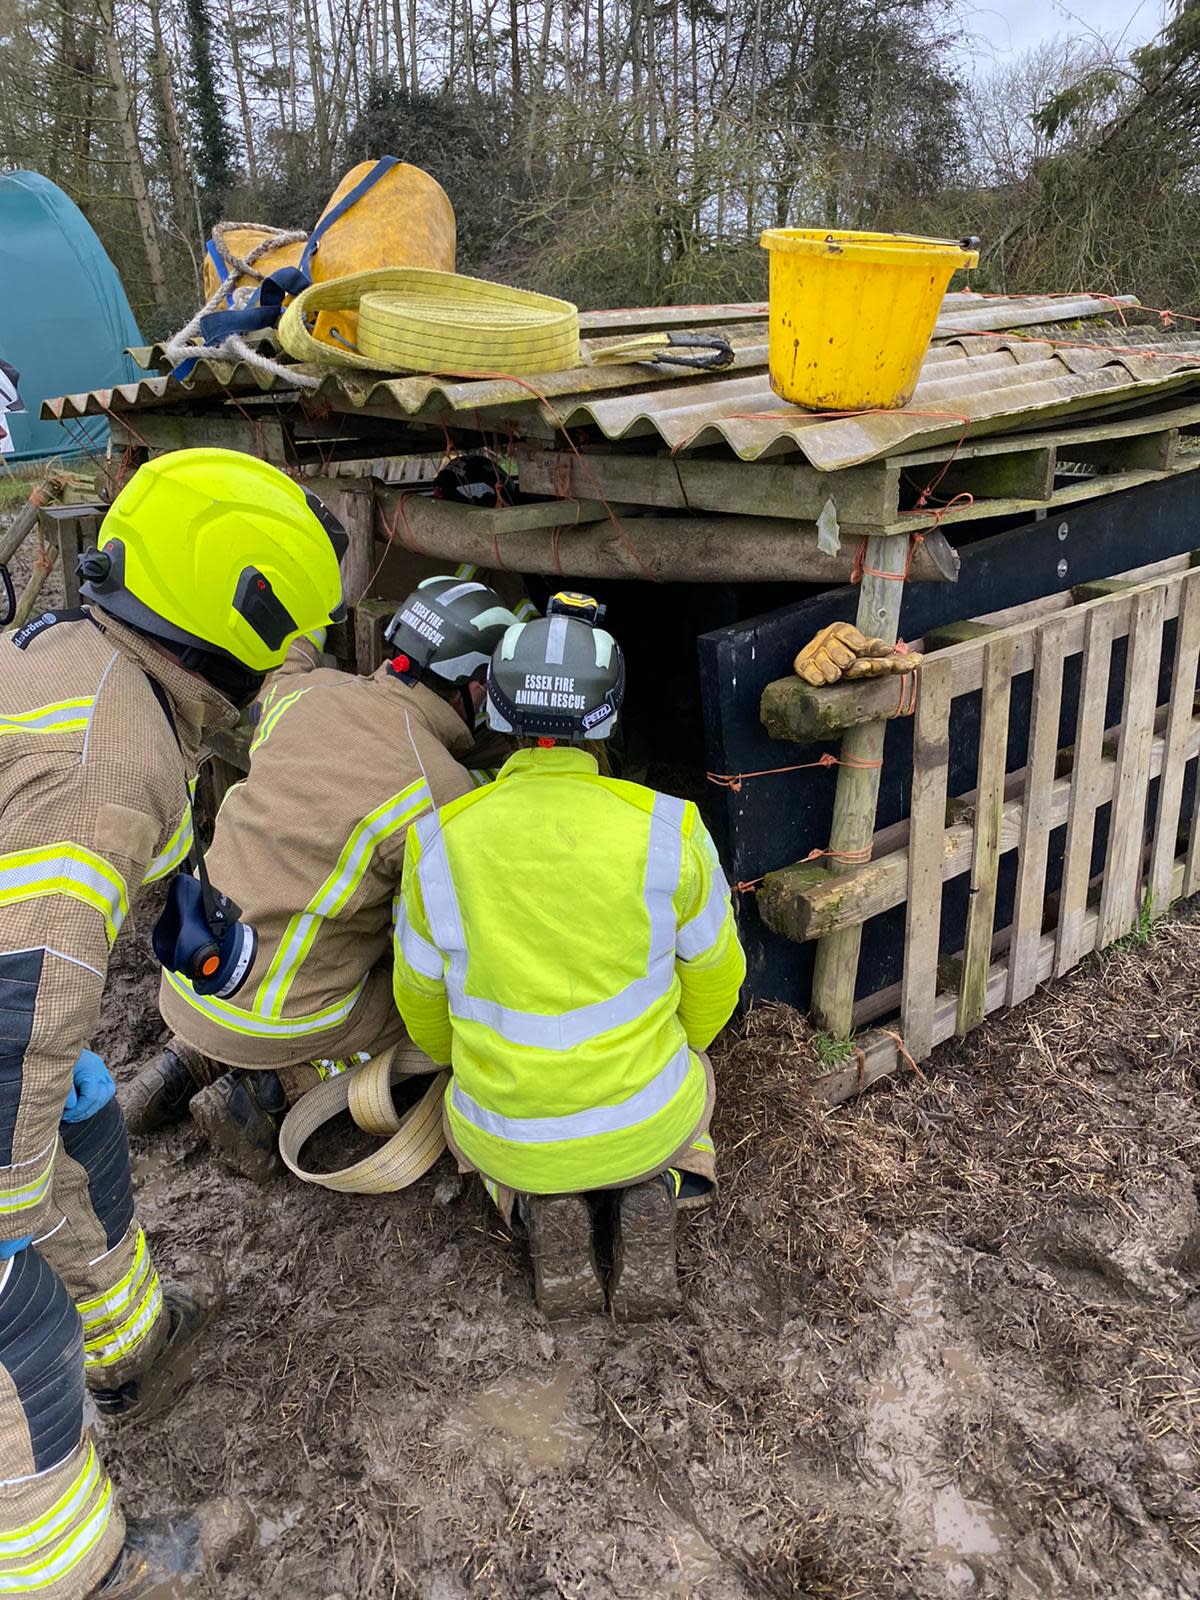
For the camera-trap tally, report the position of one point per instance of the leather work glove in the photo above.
(841, 651)
(92, 1088)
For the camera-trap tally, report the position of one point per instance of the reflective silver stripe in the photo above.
(418, 952)
(700, 934)
(448, 596)
(556, 641)
(568, 1029)
(177, 846)
(639, 1108)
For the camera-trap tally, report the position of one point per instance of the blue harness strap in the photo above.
(382, 166)
(214, 255)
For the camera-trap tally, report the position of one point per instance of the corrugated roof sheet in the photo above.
(979, 378)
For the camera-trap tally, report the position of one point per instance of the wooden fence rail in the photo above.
(1150, 851)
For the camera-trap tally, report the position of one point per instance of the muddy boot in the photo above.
(160, 1094)
(153, 1389)
(239, 1116)
(158, 1551)
(644, 1282)
(566, 1280)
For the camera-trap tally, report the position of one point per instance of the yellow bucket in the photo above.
(852, 314)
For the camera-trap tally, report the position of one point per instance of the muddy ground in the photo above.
(938, 1343)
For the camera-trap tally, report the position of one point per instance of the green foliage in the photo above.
(1077, 102)
(831, 1051)
(214, 146)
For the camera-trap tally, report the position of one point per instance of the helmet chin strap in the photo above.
(237, 683)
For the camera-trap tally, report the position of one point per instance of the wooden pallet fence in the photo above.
(1115, 766)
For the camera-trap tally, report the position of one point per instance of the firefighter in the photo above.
(576, 1005)
(211, 563)
(319, 879)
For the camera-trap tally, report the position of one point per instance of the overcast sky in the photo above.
(1003, 28)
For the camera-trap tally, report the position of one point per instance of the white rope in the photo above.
(233, 348)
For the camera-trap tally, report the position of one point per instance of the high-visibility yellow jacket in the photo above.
(567, 941)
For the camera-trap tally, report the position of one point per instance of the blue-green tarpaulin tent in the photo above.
(64, 317)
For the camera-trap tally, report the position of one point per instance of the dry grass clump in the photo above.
(1061, 1102)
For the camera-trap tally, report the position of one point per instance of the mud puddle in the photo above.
(524, 1420)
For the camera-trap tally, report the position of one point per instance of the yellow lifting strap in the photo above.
(408, 319)
(414, 1140)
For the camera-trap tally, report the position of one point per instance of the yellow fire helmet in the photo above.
(218, 553)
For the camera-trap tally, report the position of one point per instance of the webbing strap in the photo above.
(415, 1140)
(262, 312)
(222, 270)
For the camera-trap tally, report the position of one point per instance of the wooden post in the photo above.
(352, 501)
(836, 966)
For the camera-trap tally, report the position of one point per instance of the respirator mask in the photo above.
(201, 936)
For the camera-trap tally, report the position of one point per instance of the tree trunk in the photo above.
(398, 34)
(123, 107)
(176, 159)
(415, 84)
(514, 28)
(239, 79)
(316, 80)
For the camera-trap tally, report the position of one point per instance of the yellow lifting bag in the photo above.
(235, 241)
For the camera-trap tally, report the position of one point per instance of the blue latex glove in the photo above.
(12, 1247)
(91, 1088)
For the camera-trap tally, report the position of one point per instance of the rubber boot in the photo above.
(644, 1282)
(240, 1116)
(153, 1389)
(157, 1553)
(161, 1093)
(566, 1279)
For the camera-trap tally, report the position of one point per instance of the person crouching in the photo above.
(566, 941)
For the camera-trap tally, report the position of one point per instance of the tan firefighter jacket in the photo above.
(93, 803)
(311, 847)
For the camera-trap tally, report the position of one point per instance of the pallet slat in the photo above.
(931, 754)
(1121, 892)
(1179, 717)
(1085, 784)
(989, 810)
(1035, 818)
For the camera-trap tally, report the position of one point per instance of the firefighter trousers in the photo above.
(81, 1307)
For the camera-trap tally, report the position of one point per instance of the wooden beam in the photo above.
(1089, 781)
(1023, 474)
(869, 494)
(1035, 812)
(792, 709)
(620, 545)
(1149, 452)
(1120, 901)
(931, 753)
(261, 436)
(1179, 716)
(835, 970)
(371, 617)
